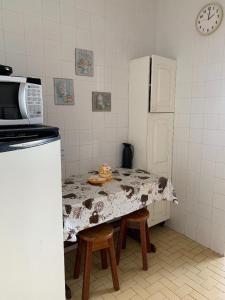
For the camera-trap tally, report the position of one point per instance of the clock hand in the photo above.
(209, 9)
(205, 20)
(211, 16)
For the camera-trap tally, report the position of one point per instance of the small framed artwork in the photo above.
(63, 91)
(84, 62)
(101, 101)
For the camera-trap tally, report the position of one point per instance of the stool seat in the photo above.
(97, 234)
(138, 216)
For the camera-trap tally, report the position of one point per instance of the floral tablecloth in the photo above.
(86, 205)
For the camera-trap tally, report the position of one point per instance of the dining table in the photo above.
(86, 205)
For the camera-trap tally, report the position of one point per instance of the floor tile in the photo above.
(180, 269)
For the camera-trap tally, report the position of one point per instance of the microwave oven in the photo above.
(21, 101)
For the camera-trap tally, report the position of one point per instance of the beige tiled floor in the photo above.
(181, 269)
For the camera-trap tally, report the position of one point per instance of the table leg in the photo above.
(153, 248)
(68, 292)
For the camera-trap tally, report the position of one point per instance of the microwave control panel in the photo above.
(34, 100)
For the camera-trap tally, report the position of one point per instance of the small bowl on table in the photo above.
(96, 180)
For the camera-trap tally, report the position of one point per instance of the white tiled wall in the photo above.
(199, 143)
(38, 38)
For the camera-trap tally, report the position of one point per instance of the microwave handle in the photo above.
(22, 101)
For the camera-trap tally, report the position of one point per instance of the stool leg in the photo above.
(112, 257)
(104, 258)
(122, 239)
(76, 272)
(87, 271)
(148, 237)
(144, 245)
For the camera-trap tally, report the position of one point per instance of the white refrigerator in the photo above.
(31, 225)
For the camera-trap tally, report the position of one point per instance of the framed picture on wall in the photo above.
(101, 101)
(84, 62)
(63, 91)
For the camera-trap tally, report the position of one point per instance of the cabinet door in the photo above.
(163, 81)
(160, 143)
(159, 212)
(138, 108)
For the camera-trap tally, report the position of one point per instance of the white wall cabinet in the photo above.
(151, 107)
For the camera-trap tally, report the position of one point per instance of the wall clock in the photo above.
(209, 18)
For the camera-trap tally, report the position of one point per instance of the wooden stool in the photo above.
(136, 218)
(90, 240)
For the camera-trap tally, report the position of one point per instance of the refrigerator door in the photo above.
(31, 227)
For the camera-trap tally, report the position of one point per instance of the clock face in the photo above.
(209, 18)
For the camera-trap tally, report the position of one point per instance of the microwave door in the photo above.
(22, 101)
(12, 101)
